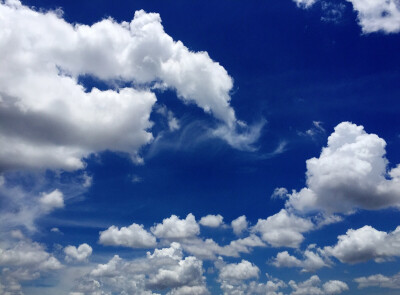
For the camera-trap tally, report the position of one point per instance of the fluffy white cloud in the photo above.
(175, 228)
(163, 270)
(211, 220)
(364, 244)
(379, 280)
(312, 286)
(52, 200)
(349, 174)
(134, 236)
(49, 120)
(239, 225)
(279, 192)
(312, 261)
(283, 229)
(79, 254)
(378, 15)
(243, 270)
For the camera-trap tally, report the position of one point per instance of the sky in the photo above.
(199, 147)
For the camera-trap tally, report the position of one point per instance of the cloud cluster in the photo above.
(350, 173)
(312, 286)
(175, 228)
(164, 270)
(49, 120)
(211, 220)
(23, 261)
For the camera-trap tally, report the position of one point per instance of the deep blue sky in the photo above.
(290, 68)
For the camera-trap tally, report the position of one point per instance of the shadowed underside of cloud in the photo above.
(47, 119)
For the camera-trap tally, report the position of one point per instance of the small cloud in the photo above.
(315, 131)
(87, 180)
(52, 200)
(332, 12)
(56, 230)
(136, 179)
(279, 193)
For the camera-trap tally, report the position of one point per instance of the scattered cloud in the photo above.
(312, 286)
(379, 280)
(134, 236)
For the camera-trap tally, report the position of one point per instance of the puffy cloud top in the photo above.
(175, 228)
(134, 236)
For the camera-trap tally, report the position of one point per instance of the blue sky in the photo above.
(191, 147)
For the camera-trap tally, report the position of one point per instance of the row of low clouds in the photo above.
(49, 120)
(352, 168)
(373, 15)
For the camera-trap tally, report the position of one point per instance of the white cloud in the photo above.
(175, 228)
(312, 286)
(52, 200)
(243, 270)
(378, 15)
(239, 225)
(209, 249)
(283, 229)
(279, 193)
(349, 174)
(364, 244)
(379, 280)
(304, 3)
(79, 254)
(212, 220)
(49, 120)
(134, 236)
(312, 261)
(163, 270)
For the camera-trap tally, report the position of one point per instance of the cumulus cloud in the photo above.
(134, 236)
(364, 244)
(283, 229)
(175, 228)
(24, 261)
(311, 262)
(52, 200)
(312, 286)
(350, 173)
(243, 270)
(165, 270)
(212, 220)
(49, 120)
(379, 280)
(378, 15)
(209, 249)
(239, 225)
(79, 254)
